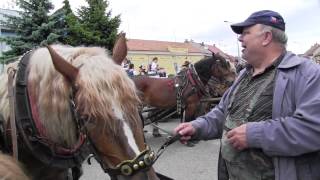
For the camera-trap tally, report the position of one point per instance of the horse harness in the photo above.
(55, 155)
(28, 132)
(188, 78)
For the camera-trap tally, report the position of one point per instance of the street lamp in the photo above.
(237, 39)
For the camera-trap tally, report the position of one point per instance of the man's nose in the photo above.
(240, 38)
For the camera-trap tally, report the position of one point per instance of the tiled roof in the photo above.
(160, 46)
(313, 50)
(214, 49)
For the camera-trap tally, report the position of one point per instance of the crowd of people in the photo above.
(152, 70)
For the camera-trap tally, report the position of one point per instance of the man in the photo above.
(269, 120)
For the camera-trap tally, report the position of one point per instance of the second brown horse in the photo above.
(186, 88)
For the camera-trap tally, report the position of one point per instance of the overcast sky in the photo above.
(203, 20)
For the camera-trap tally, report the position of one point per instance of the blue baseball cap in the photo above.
(265, 17)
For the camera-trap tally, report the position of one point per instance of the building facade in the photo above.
(5, 31)
(171, 55)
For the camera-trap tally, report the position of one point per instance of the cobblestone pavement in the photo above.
(178, 161)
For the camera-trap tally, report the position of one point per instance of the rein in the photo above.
(170, 140)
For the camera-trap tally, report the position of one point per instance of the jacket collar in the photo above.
(289, 61)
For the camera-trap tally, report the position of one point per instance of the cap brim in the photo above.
(238, 27)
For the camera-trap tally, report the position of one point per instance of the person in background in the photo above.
(162, 72)
(125, 64)
(142, 70)
(153, 67)
(269, 119)
(130, 71)
(185, 65)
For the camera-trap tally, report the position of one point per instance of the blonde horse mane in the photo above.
(10, 169)
(100, 86)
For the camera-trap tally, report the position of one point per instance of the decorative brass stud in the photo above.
(135, 166)
(152, 155)
(147, 159)
(141, 163)
(126, 170)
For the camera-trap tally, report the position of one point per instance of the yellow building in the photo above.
(171, 55)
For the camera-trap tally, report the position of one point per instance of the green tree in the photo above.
(67, 25)
(98, 27)
(32, 27)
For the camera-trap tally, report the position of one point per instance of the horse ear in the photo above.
(120, 49)
(61, 65)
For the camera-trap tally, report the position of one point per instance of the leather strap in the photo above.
(11, 93)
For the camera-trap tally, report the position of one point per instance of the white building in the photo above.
(5, 31)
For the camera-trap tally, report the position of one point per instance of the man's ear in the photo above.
(267, 38)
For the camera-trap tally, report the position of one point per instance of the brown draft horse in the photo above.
(79, 100)
(162, 92)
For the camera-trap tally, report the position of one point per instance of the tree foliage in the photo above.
(32, 27)
(35, 27)
(98, 27)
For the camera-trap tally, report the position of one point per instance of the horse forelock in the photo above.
(203, 67)
(224, 63)
(99, 84)
(102, 86)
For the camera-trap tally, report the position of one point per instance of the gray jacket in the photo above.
(292, 136)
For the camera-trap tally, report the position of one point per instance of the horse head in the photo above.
(215, 66)
(211, 67)
(105, 102)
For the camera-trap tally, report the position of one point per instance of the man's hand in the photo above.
(186, 130)
(238, 137)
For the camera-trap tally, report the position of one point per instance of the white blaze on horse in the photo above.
(79, 102)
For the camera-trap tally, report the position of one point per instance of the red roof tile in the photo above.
(215, 50)
(160, 46)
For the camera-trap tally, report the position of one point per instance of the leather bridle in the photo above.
(188, 78)
(52, 154)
